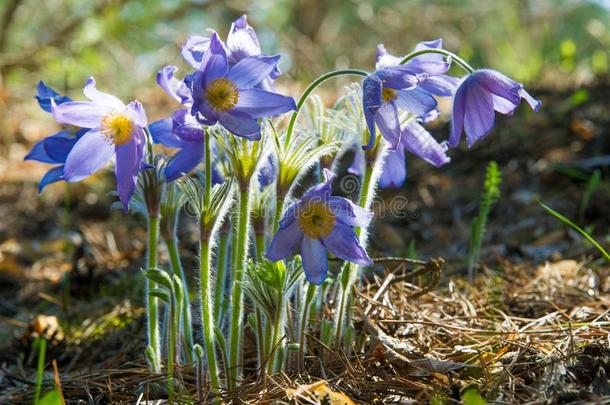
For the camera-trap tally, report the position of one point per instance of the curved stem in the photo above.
(461, 62)
(310, 89)
(237, 296)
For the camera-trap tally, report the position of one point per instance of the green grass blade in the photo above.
(584, 233)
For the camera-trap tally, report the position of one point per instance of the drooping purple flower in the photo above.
(228, 94)
(476, 100)
(387, 90)
(437, 84)
(55, 148)
(116, 131)
(414, 139)
(317, 223)
(242, 42)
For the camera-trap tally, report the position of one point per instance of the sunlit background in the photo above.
(554, 43)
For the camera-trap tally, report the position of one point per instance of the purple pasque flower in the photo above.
(398, 87)
(436, 84)
(228, 94)
(116, 131)
(414, 139)
(242, 42)
(55, 148)
(476, 100)
(317, 223)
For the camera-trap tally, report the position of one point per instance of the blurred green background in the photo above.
(545, 43)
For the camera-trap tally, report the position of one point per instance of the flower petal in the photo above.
(357, 166)
(534, 103)
(162, 133)
(85, 114)
(479, 114)
(89, 154)
(442, 85)
(242, 40)
(261, 103)
(194, 48)
(137, 113)
(250, 71)
(128, 164)
(394, 171)
(44, 95)
(498, 84)
(349, 213)
(343, 243)
(457, 117)
(184, 161)
(99, 97)
(385, 59)
(214, 63)
(45, 151)
(389, 124)
(372, 87)
(315, 260)
(175, 88)
(421, 143)
(284, 242)
(52, 176)
(186, 127)
(241, 124)
(416, 101)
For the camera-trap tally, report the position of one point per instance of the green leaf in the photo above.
(50, 398)
(472, 397)
(578, 229)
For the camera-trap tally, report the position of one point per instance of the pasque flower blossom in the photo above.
(55, 148)
(228, 94)
(317, 223)
(476, 100)
(116, 131)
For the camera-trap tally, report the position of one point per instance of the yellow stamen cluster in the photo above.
(388, 94)
(117, 128)
(316, 219)
(222, 94)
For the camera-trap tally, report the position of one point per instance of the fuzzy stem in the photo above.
(152, 307)
(207, 315)
(260, 339)
(237, 296)
(174, 258)
(171, 347)
(311, 291)
(461, 62)
(367, 192)
(276, 337)
(310, 89)
(279, 208)
(221, 268)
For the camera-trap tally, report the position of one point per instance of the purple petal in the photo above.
(290, 215)
(88, 155)
(349, 213)
(321, 191)
(52, 149)
(498, 84)
(388, 123)
(241, 124)
(162, 132)
(137, 113)
(85, 114)
(186, 127)
(372, 88)
(261, 103)
(214, 63)
(44, 95)
(99, 97)
(394, 171)
(184, 161)
(421, 143)
(343, 243)
(315, 260)
(357, 166)
(175, 88)
(194, 48)
(385, 59)
(128, 163)
(416, 101)
(442, 85)
(400, 77)
(284, 242)
(535, 104)
(52, 176)
(503, 106)
(479, 114)
(242, 40)
(250, 71)
(457, 118)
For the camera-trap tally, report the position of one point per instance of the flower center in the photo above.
(388, 94)
(222, 94)
(316, 219)
(117, 128)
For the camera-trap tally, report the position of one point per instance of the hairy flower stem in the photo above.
(176, 265)
(350, 270)
(305, 310)
(152, 303)
(237, 295)
(221, 268)
(279, 208)
(274, 360)
(310, 89)
(174, 319)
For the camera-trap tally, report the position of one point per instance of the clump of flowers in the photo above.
(238, 155)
